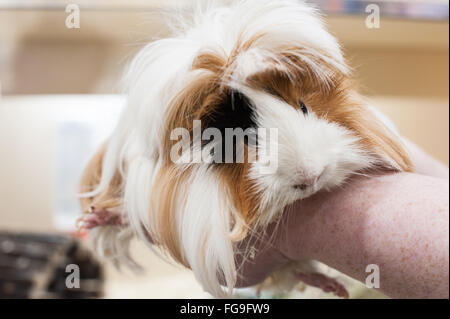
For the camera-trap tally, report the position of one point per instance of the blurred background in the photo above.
(59, 100)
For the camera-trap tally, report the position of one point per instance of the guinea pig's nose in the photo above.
(306, 182)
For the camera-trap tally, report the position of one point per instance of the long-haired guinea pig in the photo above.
(265, 67)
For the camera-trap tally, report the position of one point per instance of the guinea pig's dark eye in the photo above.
(303, 108)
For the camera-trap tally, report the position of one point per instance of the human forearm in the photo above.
(397, 221)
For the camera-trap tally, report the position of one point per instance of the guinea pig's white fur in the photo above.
(196, 213)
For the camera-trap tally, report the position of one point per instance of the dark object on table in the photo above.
(47, 266)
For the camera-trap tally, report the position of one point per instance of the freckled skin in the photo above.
(399, 222)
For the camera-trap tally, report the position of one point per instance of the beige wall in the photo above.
(28, 143)
(26, 174)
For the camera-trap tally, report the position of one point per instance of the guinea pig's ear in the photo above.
(108, 198)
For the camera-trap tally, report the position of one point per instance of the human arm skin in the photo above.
(399, 222)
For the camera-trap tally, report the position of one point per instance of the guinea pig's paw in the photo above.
(99, 217)
(327, 284)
